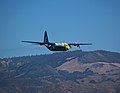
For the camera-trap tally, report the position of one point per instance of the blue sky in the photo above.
(95, 21)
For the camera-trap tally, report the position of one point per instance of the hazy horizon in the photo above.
(79, 21)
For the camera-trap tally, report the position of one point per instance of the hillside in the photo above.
(64, 72)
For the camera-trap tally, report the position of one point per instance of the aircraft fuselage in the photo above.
(58, 47)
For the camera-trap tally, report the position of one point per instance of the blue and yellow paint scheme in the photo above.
(56, 46)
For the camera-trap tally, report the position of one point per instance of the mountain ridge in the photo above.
(64, 72)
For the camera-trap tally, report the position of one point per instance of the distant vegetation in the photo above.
(64, 72)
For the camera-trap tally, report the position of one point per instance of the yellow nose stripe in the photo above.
(67, 47)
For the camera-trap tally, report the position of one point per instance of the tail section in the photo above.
(46, 37)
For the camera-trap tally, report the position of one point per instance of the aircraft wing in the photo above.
(78, 44)
(39, 43)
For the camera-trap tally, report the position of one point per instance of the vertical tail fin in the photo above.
(46, 37)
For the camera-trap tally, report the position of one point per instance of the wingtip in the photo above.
(22, 41)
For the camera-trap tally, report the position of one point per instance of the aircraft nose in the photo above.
(67, 47)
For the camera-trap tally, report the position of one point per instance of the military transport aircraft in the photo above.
(56, 46)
